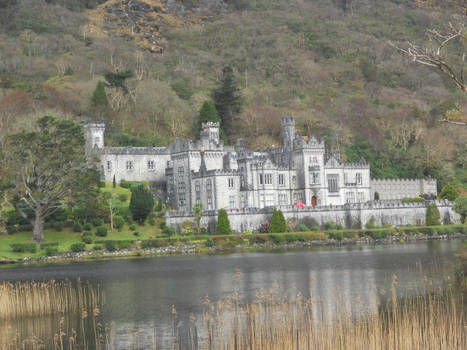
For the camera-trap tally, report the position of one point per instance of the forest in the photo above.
(329, 63)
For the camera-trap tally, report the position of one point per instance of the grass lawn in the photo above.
(67, 237)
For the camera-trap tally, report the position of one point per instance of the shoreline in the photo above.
(199, 249)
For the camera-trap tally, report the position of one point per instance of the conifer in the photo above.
(141, 203)
(278, 223)
(432, 215)
(223, 223)
(99, 97)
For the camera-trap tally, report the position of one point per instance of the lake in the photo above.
(140, 293)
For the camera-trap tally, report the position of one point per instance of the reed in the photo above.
(415, 319)
(38, 299)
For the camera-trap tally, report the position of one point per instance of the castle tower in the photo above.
(210, 132)
(94, 133)
(288, 131)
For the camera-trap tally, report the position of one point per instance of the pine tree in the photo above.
(99, 97)
(223, 223)
(432, 215)
(227, 100)
(376, 196)
(278, 223)
(141, 203)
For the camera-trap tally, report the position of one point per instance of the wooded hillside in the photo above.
(329, 63)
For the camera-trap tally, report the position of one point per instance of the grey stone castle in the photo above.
(302, 172)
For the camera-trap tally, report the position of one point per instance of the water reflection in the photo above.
(140, 293)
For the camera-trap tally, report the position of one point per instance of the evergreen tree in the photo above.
(99, 97)
(223, 223)
(460, 206)
(227, 100)
(376, 196)
(141, 203)
(114, 183)
(449, 192)
(432, 215)
(278, 223)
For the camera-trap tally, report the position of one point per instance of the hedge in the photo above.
(24, 247)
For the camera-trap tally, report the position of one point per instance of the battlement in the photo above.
(390, 181)
(288, 120)
(210, 125)
(136, 150)
(215, 172)
(307, 143)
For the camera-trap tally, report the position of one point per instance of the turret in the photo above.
(94, 133)
(288, 131)
(210, 132)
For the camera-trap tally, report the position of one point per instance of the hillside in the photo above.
(327, 62)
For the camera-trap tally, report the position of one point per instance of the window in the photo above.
(209, 194)
(109, 165)
(280, 180)
(242, 180)
(269, 200)
(350, 197)
(198, 192)
(180, 170)
(314, 178)
(360, 197)
(333, 183)
(297, 197)
(231, 182)
(268, 179)
(209, 203)
(232, 202)
(243, 200)
(129, 165)
(151, 165)
(260, 179)
(358, 178)
(294, 180)
(282, 199)
(181, 199)
(97, 141)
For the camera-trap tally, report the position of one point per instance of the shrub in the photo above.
(152, 222)
(188, 228)
(264, 227)
(340, 227)
(304, 228)
(203, 231)
(336, 235)
(110, 246)
(119, 222)
(87, 226)
(170, 230)
(23, 247)
(123, 197)
(77, 227)
(133, 227)
(78, 247)
(309, 222)
(162, 225)
(10, 230)
(97, 222)
(449, 192)
(292, 225)
(223, 223)
(136, 233)
(277, 238)
(97, 247)
(48, 244)
(329, 225)
(432, 215)
(376, 234)
(300, 237)
(49, 251)
(87, 238)
(101, 231)
(210, 243)
(376, 196)
(278, 223)
(125, 244)
(290, 237)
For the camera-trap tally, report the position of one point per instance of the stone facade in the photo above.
(302, 172)
(354, 215)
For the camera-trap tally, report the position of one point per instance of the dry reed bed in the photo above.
(32, 299)
(421, 320)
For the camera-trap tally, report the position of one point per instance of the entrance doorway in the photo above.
(314, 201)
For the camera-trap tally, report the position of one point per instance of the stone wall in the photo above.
(390, 189)
(355, 215)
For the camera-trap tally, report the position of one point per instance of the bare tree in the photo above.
(437, 55)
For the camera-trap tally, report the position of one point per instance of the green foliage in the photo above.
(99, 97)
(87, 226)
(449, 192)
(86, 238)
(133, 227)
(188, 227)
(413, 200)
(371, 223)
(97, 222)
(110, 246)
(277, 238)
(304, 228)
(181, 89)
(78, 247)
(119, 222)
(227, 100)
(278, 223)
(141, 203)
(97, 247)
(208, 113)
(432, 215)
(49, 251)
(123, 197)
(23, 247)
(210, 243)
(290, 237)
(77, 227)
(136, 234)
(152, 222)
(336, 235)
(376, 196)
(329, 225)
(117, 79)
(170, 230)
(460, 206)
(198, 214)
(101, 231)
(223, 223)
